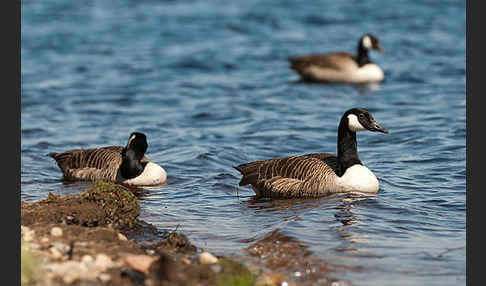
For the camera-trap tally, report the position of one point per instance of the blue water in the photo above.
(209, 84)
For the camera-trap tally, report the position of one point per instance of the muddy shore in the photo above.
(96, 238)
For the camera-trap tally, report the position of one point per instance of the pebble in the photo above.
(271, 279)
(55, 253)
(207, 258)
(103, 262)
(56, 231)
(150, 251)
(122, 237)
(27, 233)
(139, 262)
(104, 277)
(150, 282)
(87, 259)
(186, 260)
(216, 268)
(63, 248)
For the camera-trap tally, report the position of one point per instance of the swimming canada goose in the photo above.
(126, 165)
(317, 174)
(341, 67)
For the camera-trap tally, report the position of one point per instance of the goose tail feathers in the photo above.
(249, 172)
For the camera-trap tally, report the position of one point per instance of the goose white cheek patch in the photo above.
(367, 42)
(354, 124)
(130, 139)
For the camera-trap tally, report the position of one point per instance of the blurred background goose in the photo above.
(317, 174)
(126, 165)
(341, 67)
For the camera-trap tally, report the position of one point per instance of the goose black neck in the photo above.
(347, 154)
(362, 58)
(131, 166)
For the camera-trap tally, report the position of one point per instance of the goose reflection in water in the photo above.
(340, 206)
(345, 215)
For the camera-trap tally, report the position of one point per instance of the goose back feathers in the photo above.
(90, 164)
(126, 165)
(317, 174)
(295, 176)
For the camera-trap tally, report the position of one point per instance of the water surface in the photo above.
(209, 84)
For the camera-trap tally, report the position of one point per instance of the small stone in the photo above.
(216, 268)
(122, 237)
(139, 262)
(271, 279)
(56, 231)
(103, 261)
(87, 259)
(45, 239)
(33, 245)
(27, 233)
(55, 253)
(68, 279)
(150, 251)
(186, 260)
(207, 258)
(149, 282)
(63, 248)
(104, 277)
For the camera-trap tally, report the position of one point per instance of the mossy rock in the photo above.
(120, 205)
(176, 242)
(103, 204)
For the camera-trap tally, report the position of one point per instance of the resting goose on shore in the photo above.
(317, 174)
(341, 67)
(125, 165)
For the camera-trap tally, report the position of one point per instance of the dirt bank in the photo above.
(87, 239)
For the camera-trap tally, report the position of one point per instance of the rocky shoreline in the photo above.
(91, 239)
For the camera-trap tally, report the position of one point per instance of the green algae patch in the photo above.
(103, 204)
(235, 274)
(30, 267)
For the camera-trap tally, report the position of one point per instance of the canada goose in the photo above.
(341, 67)
(126, 165)
(317, 174)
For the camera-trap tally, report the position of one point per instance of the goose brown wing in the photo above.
(295, 167)
(333, 61)
(98, 163)
(279, 187)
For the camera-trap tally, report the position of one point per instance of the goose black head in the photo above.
(370, 42)
(137, 142)
(361, 119)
